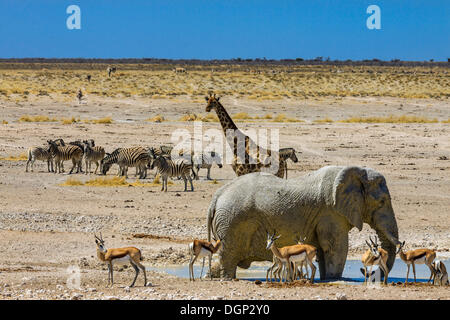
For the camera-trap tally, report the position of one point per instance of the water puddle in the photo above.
(351, 274)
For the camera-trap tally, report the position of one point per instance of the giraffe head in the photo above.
(212, 102)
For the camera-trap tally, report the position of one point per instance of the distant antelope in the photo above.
(375, 256)
(418, 256)
(115, 256)
(441, 276)
(295, 253)
(88, 78)
(39, 153)
(79, 96)
(179, 70)
(201, 249)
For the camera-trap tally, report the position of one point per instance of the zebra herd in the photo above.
(57, 152)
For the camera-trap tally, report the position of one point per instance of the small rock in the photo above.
(341, 296)
(258, 282)
(111, 298)
(76, 296)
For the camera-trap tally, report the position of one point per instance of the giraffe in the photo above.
(243, 166)
(285, 154)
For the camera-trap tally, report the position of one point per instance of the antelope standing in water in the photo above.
(375, 256)
(201, 249)
(418, 256)
(115, 256)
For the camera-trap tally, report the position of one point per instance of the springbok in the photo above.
(417, 256)
(375, 256)
(293, 254)
(441, 276)
(201, 249)
(120, 256)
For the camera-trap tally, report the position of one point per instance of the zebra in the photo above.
(108, 161)
(39, 153)
(63, 153)
(79, 96)
(133, 157)
(168, 168)
(111, 70)
(92, 154)
(285, 154)
(205, 161)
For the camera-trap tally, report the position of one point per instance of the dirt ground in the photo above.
(46, 228)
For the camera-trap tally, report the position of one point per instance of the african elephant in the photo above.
(322, 206)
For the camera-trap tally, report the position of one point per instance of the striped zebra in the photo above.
(168, 168)
(108, 161)
(205, 161)
(285, 154)
(64, 153)
(39, 153)
(133, 157)
(92, 154)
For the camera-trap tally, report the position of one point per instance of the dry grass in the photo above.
(326, 120)
(390, 119)
(198, 117)
(241, 116)
(69, 121)
(283, 118)
(446, 121)
(4, 122)
(21, 157)
(290, 82)
(157, 118)
(106, 120)
(72, 182)
(40, 118)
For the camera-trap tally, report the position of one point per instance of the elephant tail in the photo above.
(211, 212)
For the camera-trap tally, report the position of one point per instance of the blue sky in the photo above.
(225, 29)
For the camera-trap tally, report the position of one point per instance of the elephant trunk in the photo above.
(385, 226)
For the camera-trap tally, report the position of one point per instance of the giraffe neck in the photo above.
(225, 119)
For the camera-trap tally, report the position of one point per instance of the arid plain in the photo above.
(393, 119)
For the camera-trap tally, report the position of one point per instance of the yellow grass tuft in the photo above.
(27, 118)
(72, 182)
(157, 118)
(107, 182)
(4, 122)
(100, 121)
(241, 116)
(446, 121)
(283, 118)
(69, 121)
(326, 120)
(21, 157)
(190, 117)
(390, 119)
(214, 181)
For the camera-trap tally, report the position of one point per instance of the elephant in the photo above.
(322, 207)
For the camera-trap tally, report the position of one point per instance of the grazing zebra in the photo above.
(92, 154)
(285, 154)
(205, 161)
(111, 70)
(133, 157)
(168, 168)
(79, 96)
(63, 153)
(109, 160)
(39, 153)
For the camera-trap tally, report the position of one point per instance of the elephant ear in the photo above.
(349, 194)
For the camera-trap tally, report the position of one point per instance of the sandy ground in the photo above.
(46, 228)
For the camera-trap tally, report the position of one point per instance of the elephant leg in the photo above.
(332, 237)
